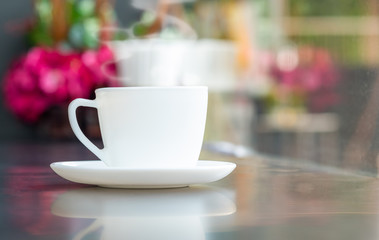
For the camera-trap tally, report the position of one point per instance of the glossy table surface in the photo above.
(262, 199)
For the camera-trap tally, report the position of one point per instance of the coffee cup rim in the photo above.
(150, 88)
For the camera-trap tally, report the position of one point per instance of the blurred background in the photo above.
(295, 79)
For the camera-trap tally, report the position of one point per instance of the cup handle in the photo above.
(80, 102)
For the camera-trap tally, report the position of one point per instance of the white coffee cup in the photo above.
(147, 127)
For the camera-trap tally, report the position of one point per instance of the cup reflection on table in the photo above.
(144, 214)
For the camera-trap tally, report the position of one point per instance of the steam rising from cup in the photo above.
(149, 54)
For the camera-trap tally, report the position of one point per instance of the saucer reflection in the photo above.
(144, 214)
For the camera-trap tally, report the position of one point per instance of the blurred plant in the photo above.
(65, 59)
(335, 8)
(70, 24)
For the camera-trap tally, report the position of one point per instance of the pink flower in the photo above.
(314, 79)
(95, 60)
(45, 78)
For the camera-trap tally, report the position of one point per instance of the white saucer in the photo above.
(97, 173)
